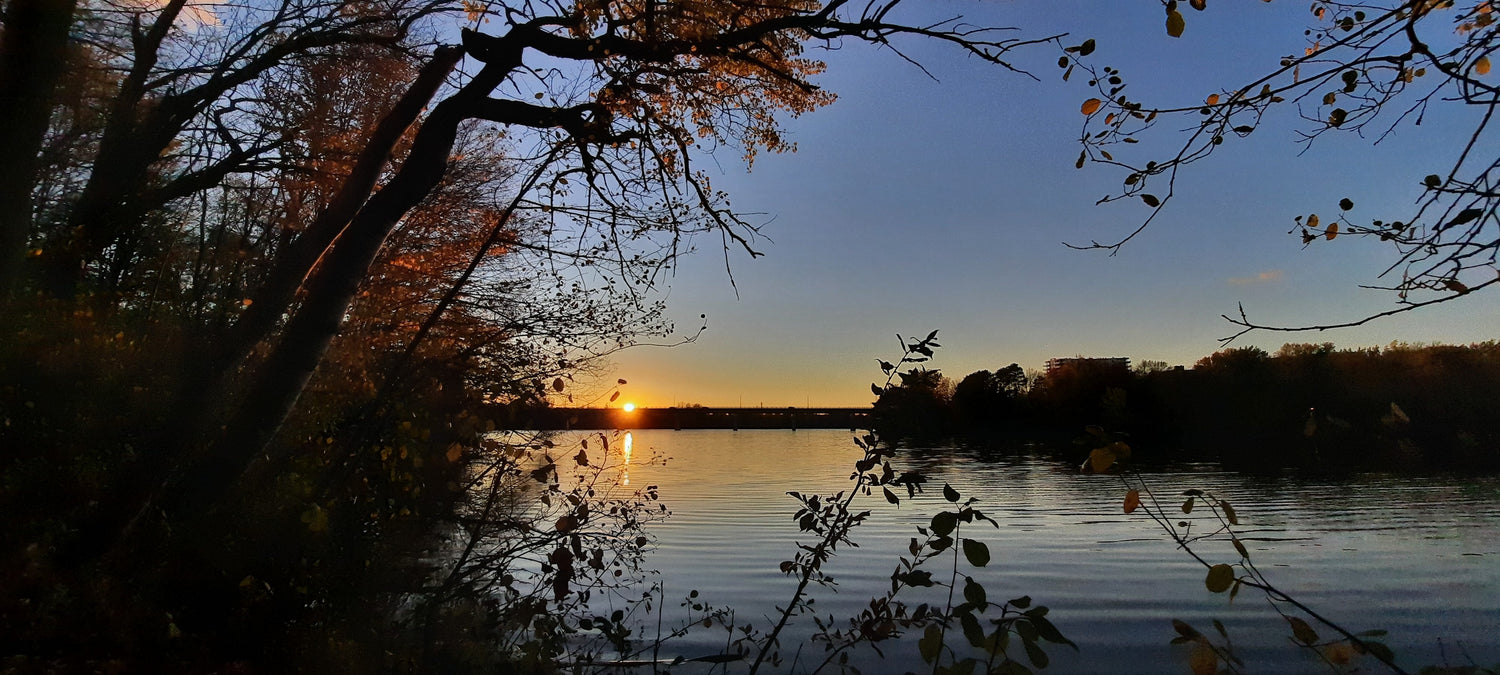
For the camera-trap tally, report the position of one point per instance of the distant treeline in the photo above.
(1309, 405)
(687, 417)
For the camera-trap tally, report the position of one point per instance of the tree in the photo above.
(1082, 391)
(183, 115)
(919, 406)
(984, 398)
(293, 293)
(1367, 68)
(1236, 360)
(1148, 366)
(653, 82)
(33, 53)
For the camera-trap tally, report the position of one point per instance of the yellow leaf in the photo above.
(1203, 660)
(1333, 231)
(1100, 460)
(1132, 500)
(1482, 66)
(1091, 106)
(246, 302)
(1312, 221)
(1213, 99)
(1175, 23)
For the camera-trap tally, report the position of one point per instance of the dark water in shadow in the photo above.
(1418, 556)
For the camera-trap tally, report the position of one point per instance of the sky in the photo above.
(916, 203)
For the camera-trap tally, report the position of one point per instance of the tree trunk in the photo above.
(201, 476)
(272, 298)
(33, 53)
(328, 294)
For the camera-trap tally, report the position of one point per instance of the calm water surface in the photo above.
(1418, 556)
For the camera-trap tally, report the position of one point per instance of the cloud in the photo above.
(195, 14)
(1262, 278)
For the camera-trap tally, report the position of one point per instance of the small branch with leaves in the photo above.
(1225, 577)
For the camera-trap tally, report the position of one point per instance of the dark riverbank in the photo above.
(1312, 406)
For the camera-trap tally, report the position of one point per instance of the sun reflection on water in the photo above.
(625, 468)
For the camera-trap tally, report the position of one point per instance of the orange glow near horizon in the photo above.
(628, 407)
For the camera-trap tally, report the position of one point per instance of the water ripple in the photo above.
(1410, 554)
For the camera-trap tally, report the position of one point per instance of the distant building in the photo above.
(1107, 362)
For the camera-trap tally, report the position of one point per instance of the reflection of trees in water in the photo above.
(547, 535)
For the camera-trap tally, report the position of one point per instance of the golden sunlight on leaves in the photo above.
(1091, 106)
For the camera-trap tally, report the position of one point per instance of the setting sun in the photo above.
(628, 407)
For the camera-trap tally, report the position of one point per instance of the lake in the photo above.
(1418, 556)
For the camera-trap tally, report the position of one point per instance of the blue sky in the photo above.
(915, 204)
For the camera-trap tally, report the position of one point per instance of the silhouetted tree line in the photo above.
(1308, 405)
